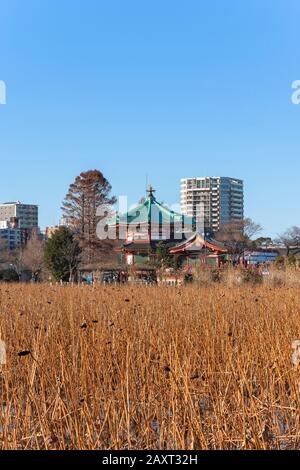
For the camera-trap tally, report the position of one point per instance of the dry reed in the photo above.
(191, 367)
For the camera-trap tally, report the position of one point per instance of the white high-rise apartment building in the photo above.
(27, 214)
(220, 199)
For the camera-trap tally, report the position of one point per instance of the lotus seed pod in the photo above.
(295, 358)
(296, 344)
(2, 353)
(296, 354)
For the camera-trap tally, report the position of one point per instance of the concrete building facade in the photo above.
(26, 214)
(219, 200)
(11, 237)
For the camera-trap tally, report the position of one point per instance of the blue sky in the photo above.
(165, 88)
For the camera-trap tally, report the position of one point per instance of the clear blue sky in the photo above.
(163, 87)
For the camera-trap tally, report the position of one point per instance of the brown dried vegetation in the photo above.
(149, 367)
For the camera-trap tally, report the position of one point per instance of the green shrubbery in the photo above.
(9, 275)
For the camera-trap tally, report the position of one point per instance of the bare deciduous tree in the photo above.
(89, 191)
(33, 257)
(250, 228)
(16, 261)
(290, 238)
(237, 235)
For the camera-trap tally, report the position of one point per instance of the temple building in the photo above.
(200, 249)
(150, 225)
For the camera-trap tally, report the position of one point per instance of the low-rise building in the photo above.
(11, 234)
(27, 214)
(50, 231)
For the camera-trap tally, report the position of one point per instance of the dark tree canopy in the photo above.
(263, 242)
(161, 257)
(62, 255)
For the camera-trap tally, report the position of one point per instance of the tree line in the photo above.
(73, 243)
(76, 241)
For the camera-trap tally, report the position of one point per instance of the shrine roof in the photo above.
(150, 211)
(196, 243)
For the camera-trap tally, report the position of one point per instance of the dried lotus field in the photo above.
(136, 367)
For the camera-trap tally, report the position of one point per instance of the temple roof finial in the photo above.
(150, 191)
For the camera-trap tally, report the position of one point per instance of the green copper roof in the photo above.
(150, 211)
